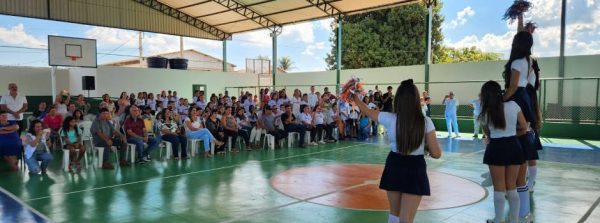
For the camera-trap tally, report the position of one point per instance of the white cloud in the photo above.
(301, 32)
(17, 35)
(583, 30)
(461, 18)
(309, 50)
(325, 24)
(111, 38)
(258, 38)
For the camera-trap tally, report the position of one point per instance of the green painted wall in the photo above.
(550, 129)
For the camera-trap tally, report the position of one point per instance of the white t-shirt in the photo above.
(331, 115)
(14, 104)
(195, 124)
(152, 104)
(306, 118)
(531, 79)
(295, 105)
(388, 120)
(524, 69)
(201, 104)
(140, 102)
(312, 100)
(319, 118)
(511, 111)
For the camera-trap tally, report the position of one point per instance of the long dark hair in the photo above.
(31, 129)
(492, 105)
(410, 122)
(65, 126)
(521, 48)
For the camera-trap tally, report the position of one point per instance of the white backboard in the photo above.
(71, 52)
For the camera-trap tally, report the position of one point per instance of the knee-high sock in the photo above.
(513, 206)
(532, 171)
(499, 205)
(524, 200)
(393, 218)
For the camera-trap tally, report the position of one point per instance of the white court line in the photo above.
(25, 204)
(366, 182)
(193, 172)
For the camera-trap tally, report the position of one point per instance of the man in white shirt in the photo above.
(312, 97)
(451, 104)
(476, 105)
(14, 104)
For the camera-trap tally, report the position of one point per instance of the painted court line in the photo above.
(25, 205)
(367, 182)
(193, 172)
(589, 211)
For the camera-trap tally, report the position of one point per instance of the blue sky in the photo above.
(467, 23)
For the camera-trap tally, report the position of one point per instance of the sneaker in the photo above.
(457, 136)
(527, 219)
(449, 136)
(313, 144)
(124, 163)
(141, 161)
(146, 159)
(108, 166)
(322, 142)
(475, 136)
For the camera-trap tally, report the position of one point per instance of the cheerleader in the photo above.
(405, 174)
(517, 74)
(502, 122)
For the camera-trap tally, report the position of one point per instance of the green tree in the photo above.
(285, 63)
(388, 37)
(468, 54)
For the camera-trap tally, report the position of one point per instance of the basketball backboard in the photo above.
(71, 52)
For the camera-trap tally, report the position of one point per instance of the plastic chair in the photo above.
(66, 153)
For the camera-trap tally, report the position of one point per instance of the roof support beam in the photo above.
(224, 11)
(325, 6)
(249, 13)
(172, 12)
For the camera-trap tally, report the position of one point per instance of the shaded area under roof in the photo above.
(206, 19)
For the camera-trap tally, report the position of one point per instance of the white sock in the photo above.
(532, 171)
(393, 218)
(524, 200)
(513, 206)
(499, 205)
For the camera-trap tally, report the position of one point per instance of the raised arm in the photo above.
(373, 114)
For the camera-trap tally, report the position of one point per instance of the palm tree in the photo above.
(285, 63)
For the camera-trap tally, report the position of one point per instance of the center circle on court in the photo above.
(356, 186)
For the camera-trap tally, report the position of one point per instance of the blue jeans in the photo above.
(139, 146)
(32, 162)
(451, 119)
(363, 133)
(204, 135)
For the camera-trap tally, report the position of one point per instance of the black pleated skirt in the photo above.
(406, 174)
(504, 151)
(528, 144)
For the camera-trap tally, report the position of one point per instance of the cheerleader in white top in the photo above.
(518, 72)
(405, 174)
(503, 122)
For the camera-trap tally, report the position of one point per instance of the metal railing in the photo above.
(577, 102)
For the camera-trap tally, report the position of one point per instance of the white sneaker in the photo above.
(527, 219)
(313, 144)
(531, 188)
(322, 142)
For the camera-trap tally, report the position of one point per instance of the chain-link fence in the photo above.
(572, 100)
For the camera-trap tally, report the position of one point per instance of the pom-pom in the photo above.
(516, 9)
(353, 86)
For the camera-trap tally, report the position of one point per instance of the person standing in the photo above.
(503, 122)
(313, 98)
(451, 104)
(14, 104)
(427, 101)
(405, 173)
(388, 99)
(476, 105)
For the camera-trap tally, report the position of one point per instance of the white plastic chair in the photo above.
(66, 153)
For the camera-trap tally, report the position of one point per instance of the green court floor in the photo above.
(236, 187)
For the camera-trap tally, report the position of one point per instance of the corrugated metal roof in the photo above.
(207, 19)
